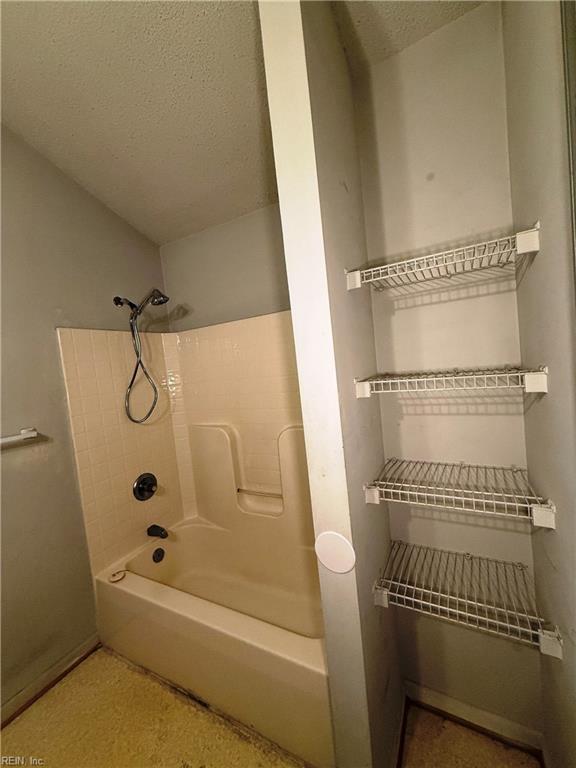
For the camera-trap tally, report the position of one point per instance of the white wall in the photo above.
(64, 256)
(313, 259)
(435, 174)
(229, 272)
(341, 204)
(546, 303)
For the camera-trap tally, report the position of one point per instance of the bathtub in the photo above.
(261, 580)
(239, 628)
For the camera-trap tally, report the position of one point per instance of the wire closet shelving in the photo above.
(456, 261)
(494, 596)
(529, 380)
(476, 488)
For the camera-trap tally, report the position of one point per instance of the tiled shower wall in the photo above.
(110, 450)
(241, 374)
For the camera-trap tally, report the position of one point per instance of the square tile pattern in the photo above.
(242, 374)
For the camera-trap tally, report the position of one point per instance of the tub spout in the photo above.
(158, 531)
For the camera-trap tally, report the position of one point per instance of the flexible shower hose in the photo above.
(139, 364)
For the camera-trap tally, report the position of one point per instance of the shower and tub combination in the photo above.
(214, 585)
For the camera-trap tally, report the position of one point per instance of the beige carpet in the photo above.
(106, 714)
(431, 741)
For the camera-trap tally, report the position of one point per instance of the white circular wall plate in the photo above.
(335, 552)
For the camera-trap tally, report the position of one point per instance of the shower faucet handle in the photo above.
(145, 486)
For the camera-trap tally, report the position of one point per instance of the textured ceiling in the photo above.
(159, 108)
(373, 31)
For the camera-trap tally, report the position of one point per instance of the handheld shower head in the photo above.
(154, 297)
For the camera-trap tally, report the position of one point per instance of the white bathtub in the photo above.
(266, 579)
(260, 672)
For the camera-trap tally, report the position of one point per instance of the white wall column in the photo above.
(311, 112)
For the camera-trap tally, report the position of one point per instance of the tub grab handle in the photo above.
(260, 493)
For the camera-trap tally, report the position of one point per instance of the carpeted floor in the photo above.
(107, 714)
(431, 741)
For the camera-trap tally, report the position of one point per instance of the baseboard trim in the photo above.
(486, 721)
(401, 740)
(18, 703)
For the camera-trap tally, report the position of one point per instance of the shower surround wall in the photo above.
(240, 374)
(110, 450)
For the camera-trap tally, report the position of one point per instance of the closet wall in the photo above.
(434, 130)
(434, 145)
(540, 184)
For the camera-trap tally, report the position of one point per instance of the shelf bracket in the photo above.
(550, 642)
(362, 388)
(528, 241)
(536, 381)
(353, 280)
(380, 596)
(371, 495)
(544, 515)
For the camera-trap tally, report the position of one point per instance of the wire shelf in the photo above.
(494, 596)
(471, 258)
(499, 491)
(530, 380)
